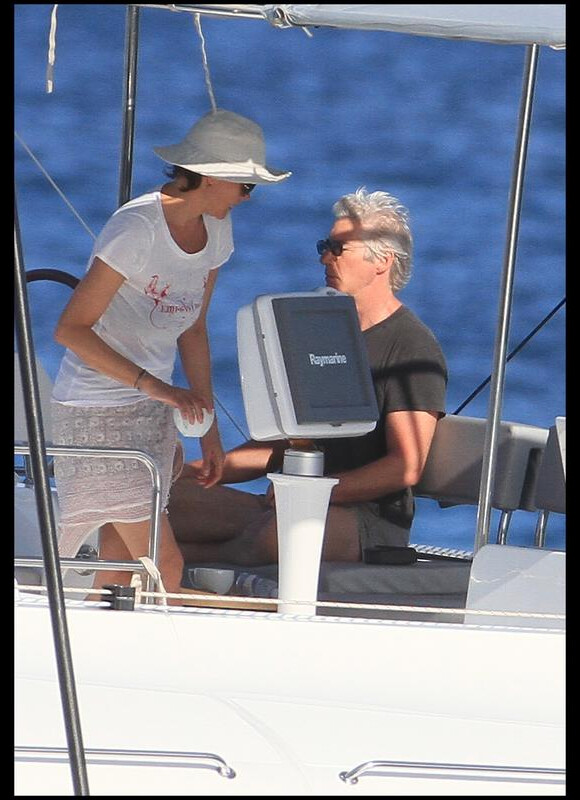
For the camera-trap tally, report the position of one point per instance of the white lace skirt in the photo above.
(92, 490)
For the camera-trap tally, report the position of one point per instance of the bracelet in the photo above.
(139, 376)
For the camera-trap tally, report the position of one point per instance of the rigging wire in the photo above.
(516, 350)
(231, 419)
(63, 277)
(53, 184)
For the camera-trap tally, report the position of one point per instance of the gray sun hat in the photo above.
(224, 145)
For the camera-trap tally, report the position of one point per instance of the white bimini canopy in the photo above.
(505, 23)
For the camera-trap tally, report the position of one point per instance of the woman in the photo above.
(145, 294)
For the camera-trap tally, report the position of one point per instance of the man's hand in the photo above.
(209, 470)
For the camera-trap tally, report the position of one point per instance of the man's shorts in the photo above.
(376, 530)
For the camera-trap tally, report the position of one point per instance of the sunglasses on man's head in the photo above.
(247, 188)
(335, 247)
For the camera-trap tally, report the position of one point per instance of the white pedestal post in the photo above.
(301, 509)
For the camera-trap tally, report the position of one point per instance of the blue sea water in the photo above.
(433, 122)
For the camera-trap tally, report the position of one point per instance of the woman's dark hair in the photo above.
(193, 178)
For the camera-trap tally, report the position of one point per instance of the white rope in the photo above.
(154, 573)
(137, 584)
(53, 184)
(319, 603)
(197, 22)
(51, 51)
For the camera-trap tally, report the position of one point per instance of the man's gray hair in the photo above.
(386, 225)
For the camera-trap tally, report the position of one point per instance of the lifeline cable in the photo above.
(234, 600)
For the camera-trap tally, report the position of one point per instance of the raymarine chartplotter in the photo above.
(304, 368)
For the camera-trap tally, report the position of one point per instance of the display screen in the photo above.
(325, 359)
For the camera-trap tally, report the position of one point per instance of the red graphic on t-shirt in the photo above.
(173, 310)
(151, 290)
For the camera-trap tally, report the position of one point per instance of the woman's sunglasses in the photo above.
(247, 188)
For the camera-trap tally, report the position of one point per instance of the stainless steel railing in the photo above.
(127, 757)
(385, 768)
(102, 452)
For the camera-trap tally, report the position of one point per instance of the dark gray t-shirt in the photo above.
(409, 374)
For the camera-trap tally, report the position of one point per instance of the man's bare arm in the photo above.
(409, 435)
(247, 462)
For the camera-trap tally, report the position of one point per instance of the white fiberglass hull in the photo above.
(289, 704)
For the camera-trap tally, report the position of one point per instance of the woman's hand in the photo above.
(190, 404)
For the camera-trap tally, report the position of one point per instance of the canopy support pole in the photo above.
(130, 91)
(47, 524)
(505, 301)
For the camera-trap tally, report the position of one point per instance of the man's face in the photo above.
(348, 272)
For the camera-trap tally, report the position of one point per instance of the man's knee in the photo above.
(258, 543)
(184, 492)
(191, 508)
(216, 514)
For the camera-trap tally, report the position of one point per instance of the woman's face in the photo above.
(222, 196)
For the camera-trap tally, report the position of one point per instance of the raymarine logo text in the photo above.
(322, 361)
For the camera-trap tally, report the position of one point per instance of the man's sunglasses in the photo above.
(247, 188)
(335, 247)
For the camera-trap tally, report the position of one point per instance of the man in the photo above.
(368, 256)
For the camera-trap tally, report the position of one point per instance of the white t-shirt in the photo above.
(160, 298)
